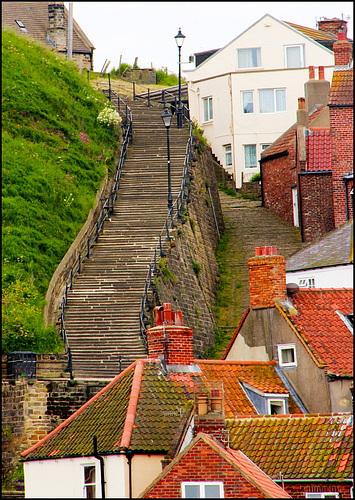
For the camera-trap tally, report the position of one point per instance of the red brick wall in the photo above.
(299, 490)
(278, 176)
(267, 280)
(178, 344)
(317, 205)
(202, 463)
(341, 130)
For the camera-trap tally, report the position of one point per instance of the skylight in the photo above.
(20, 24)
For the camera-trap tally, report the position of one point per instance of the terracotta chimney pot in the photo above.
(311, 73)
(321, 73)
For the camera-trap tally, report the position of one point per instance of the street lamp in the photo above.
(166, 117)
(179, 38)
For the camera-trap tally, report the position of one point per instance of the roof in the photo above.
(34, 15)
(147, 409)
(313, 446)
(333, 249)
(342, 89)
(319, 152)
(317, 35)
(235, 458)
(320, 325)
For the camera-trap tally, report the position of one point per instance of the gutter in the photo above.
(99, 457)
(314, 480)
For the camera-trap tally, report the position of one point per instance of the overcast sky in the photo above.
(146, 29)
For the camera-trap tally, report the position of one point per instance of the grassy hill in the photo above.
(54, 156)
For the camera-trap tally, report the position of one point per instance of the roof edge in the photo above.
(232, 340)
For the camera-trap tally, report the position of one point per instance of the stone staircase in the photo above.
(102, 313)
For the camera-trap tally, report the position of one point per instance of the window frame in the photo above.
(323, 494)
(280, 348)
(228, 153)
(275, 101)
(310, 282)
(302, 55)
(249, 48)
(270, 401)
(256, 152)
(94, 484)
(202, 485)
(209, 101)
(253, 102)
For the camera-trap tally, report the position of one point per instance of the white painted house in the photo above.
(244, 96)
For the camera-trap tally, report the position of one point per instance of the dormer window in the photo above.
(276, 407)
(287, 355)
(266, 403)
(20, 24)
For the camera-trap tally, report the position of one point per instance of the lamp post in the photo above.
(166, 117)
(179, 38)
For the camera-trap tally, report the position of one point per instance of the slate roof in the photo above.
(34, 16)
(236, 458)
(320, 328)
(319, 151)
(333, 249)
(313, 446)
(342, 89)
(147, 408)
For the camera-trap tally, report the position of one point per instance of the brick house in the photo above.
(307, 331)
(306, 174)
(309, 456)
(120, 438)
(191, 474)
(47, 24)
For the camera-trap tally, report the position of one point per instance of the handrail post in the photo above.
(71, 278)
(97, 231)
(109, 86)
(150, 276)
(155, 261)
(134, 91)
(167, 229)
(149, 99)
(88, 252)
(79, 265)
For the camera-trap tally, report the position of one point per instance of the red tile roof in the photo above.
(342, 89)
(309, 446)
(321, 329)
(319, 152)
(313, 33)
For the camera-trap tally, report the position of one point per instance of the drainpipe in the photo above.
(99, 457)
(129, 456)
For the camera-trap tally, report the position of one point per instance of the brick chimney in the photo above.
(56, 31)
(170, 338)
(316, 91)
(267, 277)
(342, 50)
(333, 25)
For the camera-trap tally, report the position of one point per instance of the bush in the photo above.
(256, 177)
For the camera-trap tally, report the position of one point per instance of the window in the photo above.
(323, 494)
(248, 102)
(272, 100)
(207, 109)
(20, 24)
(264, 146)
(249, 58)
(294, 56)
(306, 283)
(89, 481)
(228, 155)
(287, 355)
(250, 156)
(276, 407)
(202, 490)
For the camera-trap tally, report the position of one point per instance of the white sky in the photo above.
(146, 29)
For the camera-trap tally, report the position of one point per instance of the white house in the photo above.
(244, 96)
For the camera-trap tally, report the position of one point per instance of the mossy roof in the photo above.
(312, 446)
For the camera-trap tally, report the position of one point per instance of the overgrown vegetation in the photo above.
(226, 190)
(256, 177)
(55, 156)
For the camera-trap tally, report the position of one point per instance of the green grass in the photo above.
(54, 157)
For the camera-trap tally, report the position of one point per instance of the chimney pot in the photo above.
(341, 35)
(311, 73)
(321, 73)
(301, 103)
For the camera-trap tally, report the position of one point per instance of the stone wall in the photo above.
(191, 283)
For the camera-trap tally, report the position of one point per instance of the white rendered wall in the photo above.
(327, 277)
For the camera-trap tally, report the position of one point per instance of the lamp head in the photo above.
(179, 38)
(166, 117)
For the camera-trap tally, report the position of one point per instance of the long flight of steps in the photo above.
(102, 313)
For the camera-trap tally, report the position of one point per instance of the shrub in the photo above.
(256, 177)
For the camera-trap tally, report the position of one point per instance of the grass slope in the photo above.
(54, 156)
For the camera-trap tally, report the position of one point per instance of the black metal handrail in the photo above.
(106, 210)
(169, 222)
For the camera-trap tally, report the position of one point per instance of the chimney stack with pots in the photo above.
(267, 277)
(342, 50)
(56, 30)
(333, 26)
(316, 91)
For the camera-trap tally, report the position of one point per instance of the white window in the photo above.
(294, 56)
(276, 407)
(306, 283)
(202, 490)
(250, 156)
(89, 489)
(323, 494)
(21, 25)
(248, 101)
(287, 355)
(264, 146)
(272, 100)
(228, 155)
(249, 58)
(207, 109)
